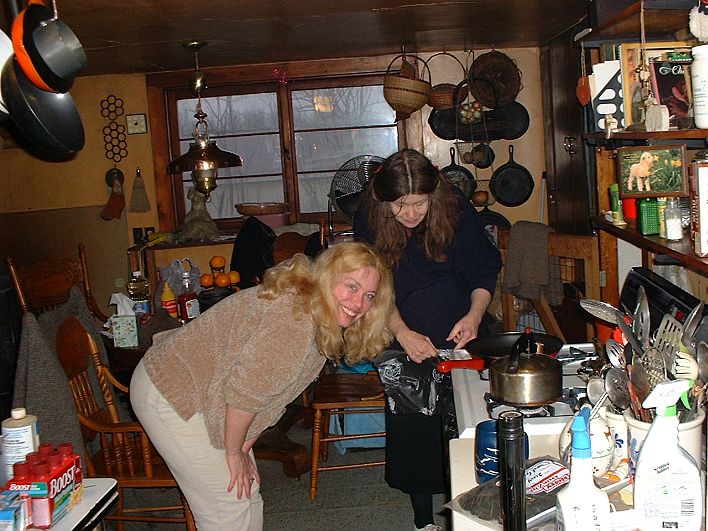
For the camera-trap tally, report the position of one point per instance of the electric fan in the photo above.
(347, 186)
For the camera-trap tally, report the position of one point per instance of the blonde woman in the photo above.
(205, 392)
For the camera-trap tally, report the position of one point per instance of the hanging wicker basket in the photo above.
(442, 95)
(403, 94)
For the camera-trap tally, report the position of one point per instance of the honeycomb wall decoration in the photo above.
(114, 136)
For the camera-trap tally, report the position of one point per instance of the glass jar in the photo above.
(672, 219)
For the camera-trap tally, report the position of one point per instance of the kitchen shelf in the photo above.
(660, 24)
(674, 134)
(680, 250)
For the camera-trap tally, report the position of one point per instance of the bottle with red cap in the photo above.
(66, 450)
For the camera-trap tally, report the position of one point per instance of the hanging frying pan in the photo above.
(508, 122)
(50, 121)
(511, 184)
(516, 120)
(6, 53)
(489, 217)
(460, 176)
(47, 50)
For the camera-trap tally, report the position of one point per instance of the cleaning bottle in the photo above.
(667, 483)
(580, 505)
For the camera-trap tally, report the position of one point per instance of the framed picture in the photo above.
(652, 171)
(631, 60)
(671, 86)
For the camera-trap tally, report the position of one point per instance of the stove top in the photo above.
(474, 404)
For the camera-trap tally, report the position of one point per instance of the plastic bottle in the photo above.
(672, 219)
(139, 292)
(188, 301)
(168, 300)
(20, 437)
(667, 483)
(580, 505)
(699, 85)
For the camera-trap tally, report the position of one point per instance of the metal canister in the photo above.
(698, 193)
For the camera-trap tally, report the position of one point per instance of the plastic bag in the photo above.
(545, 476)
(172, 274)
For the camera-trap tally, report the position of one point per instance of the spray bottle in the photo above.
(580, 505)
(667, 484)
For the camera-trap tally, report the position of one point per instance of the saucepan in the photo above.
(47, 49)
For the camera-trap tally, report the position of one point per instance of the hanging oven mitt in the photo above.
(116, 201)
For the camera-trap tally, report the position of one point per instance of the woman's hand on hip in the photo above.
(417, 346)
(242, 472)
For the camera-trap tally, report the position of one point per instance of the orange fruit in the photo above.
(206, 280)
(222, 280)
(217, 262)
(235, 277)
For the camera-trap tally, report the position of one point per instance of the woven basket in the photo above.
(403, 94)
(441, 95)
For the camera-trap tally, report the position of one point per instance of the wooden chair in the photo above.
(342, 394)
(46, 285)
(125, 452)
(579, 262)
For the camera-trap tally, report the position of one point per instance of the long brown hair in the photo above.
(409, 172)
(313, 282)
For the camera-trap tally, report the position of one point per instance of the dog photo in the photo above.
(652, 171)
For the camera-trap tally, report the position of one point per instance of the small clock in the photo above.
(136, 124)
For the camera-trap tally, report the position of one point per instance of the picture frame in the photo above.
(652, 171)
(630, 59)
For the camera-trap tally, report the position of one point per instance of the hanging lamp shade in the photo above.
(204, 157)
(204, 154)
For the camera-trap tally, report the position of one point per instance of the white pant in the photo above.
(199, 468)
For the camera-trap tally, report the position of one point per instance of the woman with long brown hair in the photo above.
(445, 270)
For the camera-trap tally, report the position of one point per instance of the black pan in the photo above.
(460, 176)
(489, 217)
(50, 121)
(506, 123)
(511, 184)
(499, 345)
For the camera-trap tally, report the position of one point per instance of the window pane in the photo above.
(328, 150)
(229, 192)
(340, 107)
(231, 115)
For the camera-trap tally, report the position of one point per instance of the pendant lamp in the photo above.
(204, 157)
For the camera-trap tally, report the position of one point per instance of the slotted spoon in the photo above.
(615, 353)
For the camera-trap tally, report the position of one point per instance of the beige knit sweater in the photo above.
(249, 353)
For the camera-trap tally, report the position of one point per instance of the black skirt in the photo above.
(416, 460)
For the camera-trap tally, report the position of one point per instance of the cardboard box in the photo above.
(125, 331)
(12, 511)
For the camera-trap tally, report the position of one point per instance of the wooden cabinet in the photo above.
(150, 259)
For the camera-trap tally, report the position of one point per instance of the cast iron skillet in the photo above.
(460, 176)
(508, 122)
(50, 121)
(499, 345)
(511, 184)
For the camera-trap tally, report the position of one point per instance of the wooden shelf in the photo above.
(680, 250)
(675, 134)
(660, 23)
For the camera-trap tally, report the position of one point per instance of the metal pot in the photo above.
(524, 379)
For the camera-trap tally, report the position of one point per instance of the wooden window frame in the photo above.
(165, 88)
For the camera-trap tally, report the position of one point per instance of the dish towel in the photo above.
(529, 272)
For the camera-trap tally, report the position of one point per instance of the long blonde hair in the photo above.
(313, 281)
